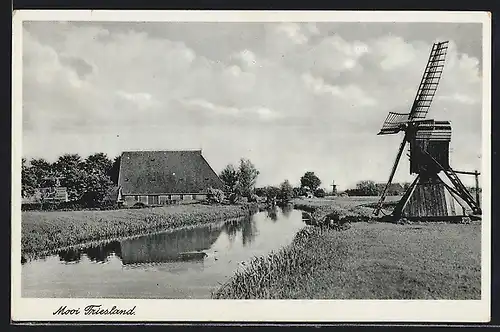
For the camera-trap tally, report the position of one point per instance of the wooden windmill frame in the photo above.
(429, 154)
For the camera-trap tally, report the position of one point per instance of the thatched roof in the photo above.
(166, 172)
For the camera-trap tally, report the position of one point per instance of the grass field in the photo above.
(43, 232)
(367, 261)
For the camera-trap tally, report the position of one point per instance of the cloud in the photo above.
(293, 31)
(291, 96)
(262, 113)
(246, 58)
(460, 98)
(141, 100)
(350, 93)
(395, 52)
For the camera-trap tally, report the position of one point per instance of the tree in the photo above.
(261, 192)
(229, 176)
(272, 192)
(114, 171)
(96, 180)
(70, 168)
(96, 186)
(247, 176)
(366, 188)
(320, 192)
(98, 161)
(285, 192)
(28, 180)
(310, 180)
(41, 169)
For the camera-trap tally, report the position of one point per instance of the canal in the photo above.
(183, 264)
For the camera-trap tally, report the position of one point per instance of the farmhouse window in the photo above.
(153, 200)
(181, 197)
(136, 198)
(193, 196)
(169, 197)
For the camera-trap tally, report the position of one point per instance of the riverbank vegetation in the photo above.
(370, 260)
(45, 231)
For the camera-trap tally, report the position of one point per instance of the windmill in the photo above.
(429, 140)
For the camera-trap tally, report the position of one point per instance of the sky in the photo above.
(291, 97)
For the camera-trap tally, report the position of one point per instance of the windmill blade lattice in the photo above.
(430, 81)
(395, 122)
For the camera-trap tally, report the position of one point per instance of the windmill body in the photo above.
(437, 191)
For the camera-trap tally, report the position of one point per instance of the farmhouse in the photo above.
(162, 177)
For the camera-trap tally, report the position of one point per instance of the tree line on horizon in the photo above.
(239, 182)
(89, 180)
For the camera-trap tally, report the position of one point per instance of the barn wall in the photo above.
(161, 199)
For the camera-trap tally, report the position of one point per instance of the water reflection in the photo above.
(101, 253)
(163, 265)
(248, 231)
(287, 210)
(180, 245)
(246, 227)
(169, 247)
(70, 255)
(272, 213)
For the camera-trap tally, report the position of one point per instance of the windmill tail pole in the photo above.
(393, 171)
(478, 200)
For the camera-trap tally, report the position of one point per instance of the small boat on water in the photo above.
(193, 255)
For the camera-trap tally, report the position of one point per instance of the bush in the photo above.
(53, 206)
(320, 193)
(235, 198)
(138, 205)
(215, 196)
(253, 199)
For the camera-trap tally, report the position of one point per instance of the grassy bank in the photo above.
(362, 206)
(43, 232)
(367, 261)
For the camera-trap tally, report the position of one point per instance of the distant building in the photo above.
(395, 189)
(162, 177)
(51, 191)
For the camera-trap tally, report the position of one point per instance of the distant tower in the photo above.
(334, 188)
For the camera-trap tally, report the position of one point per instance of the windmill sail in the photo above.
(430, 81)
(395, 122)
